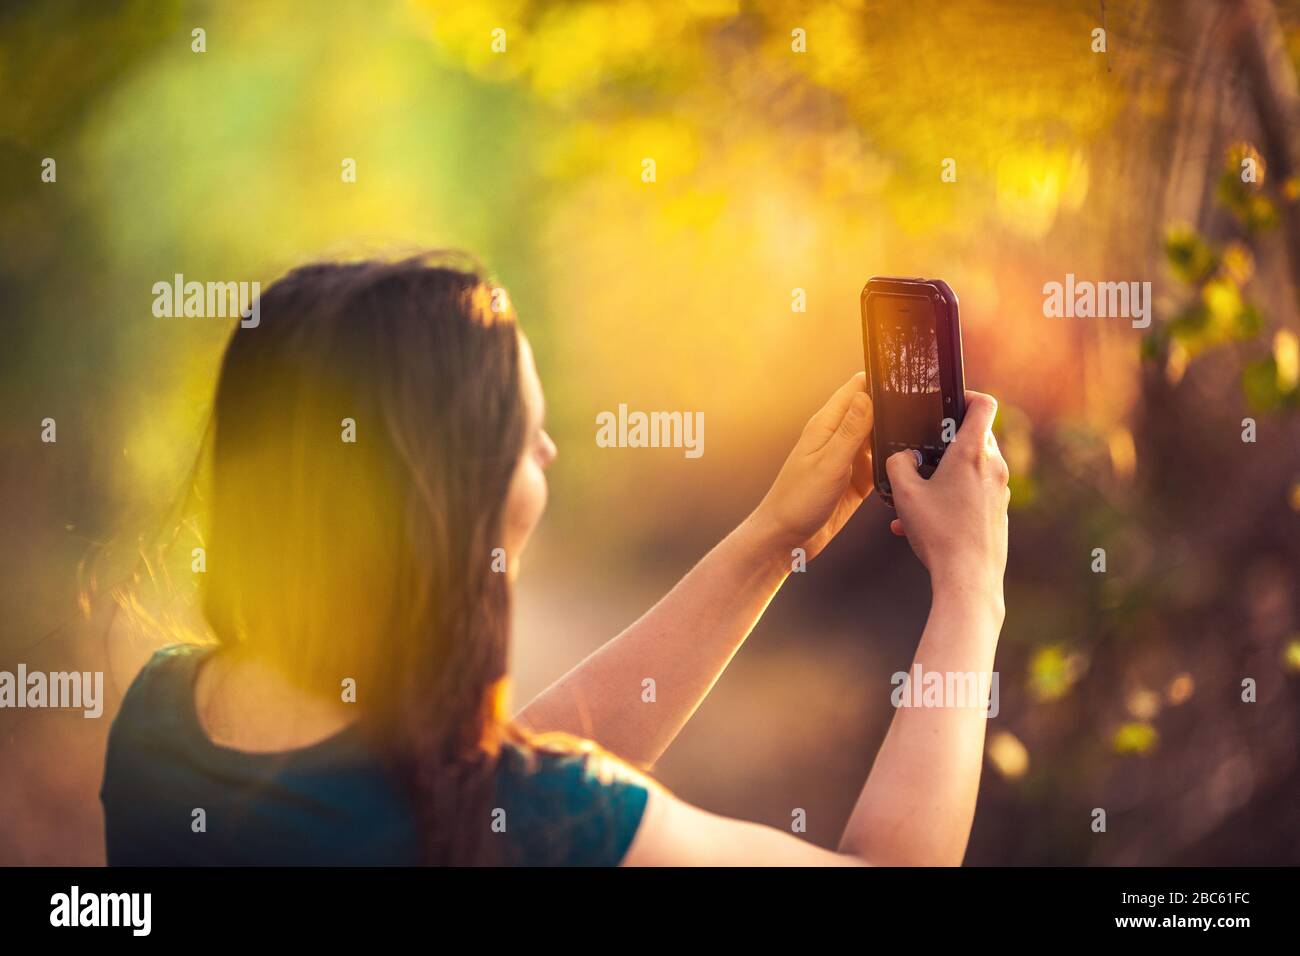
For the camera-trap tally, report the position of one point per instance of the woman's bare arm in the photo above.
(686, 640)
(683, 644)
(917, 805)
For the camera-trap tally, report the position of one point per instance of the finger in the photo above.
(864, 476)
(992, 448)
(896, 526)
(998, 466)
(828, 418)
(980, 412)
(902, 470)
(850, 436)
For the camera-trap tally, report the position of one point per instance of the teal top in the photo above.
(331, 803)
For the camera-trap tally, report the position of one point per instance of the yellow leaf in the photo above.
(1052, 672)
(1291, 655)
(1123, 452)
(1286, 354)
(1135, 737)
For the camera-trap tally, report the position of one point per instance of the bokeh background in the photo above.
(776, 171)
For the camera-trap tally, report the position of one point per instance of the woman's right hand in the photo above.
(956, 521)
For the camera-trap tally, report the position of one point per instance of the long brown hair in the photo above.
(364, 436)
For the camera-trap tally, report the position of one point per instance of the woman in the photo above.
(377, 466)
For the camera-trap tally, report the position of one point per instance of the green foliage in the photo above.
(1264, 383)
(1215, 309)
(1239, 189)
(1190, 257)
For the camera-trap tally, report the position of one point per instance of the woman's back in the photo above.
(172, 796)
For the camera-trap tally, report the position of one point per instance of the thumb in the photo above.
(851, 432)
(902, 469)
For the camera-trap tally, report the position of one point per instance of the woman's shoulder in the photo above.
(172, 655)
(170, 665)
(568, 803)
(163, 686)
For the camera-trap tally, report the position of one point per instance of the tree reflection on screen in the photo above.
(910, 356)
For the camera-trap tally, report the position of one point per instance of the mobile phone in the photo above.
(911, 339)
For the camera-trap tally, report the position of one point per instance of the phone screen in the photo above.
(909, 401)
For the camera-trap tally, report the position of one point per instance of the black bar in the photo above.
(433, 906)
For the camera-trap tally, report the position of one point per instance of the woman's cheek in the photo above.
(537, 495)
(528, 494)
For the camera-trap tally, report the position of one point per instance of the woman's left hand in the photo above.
(825, 478)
